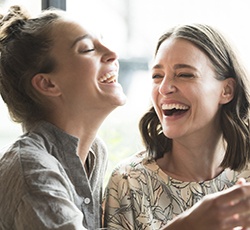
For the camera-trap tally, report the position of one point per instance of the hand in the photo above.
(224, 210)
(241, 181)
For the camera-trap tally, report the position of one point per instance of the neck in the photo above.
(85, 129)
(194, 162)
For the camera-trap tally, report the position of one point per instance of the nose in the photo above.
(167, 86)
(108, 54)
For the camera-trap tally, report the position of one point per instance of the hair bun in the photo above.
(12, 21)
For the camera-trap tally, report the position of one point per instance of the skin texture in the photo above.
(184, 78)
(183, 74)
(193, 85)
(76, 99)
(225, 210)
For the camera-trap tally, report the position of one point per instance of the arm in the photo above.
(47, 210)
(126, 198)
(222, 210)
(47, 196)
(117, 205)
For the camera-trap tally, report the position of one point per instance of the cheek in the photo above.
(206, 106)
(211, 96)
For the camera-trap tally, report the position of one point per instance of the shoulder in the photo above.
(25, 169)
(245, 173)
(233, 176)
(30, 161)
(34, 154)
(131, 167)
(129, 177)
(24, 152)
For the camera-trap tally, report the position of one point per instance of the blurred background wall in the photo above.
(132, 28)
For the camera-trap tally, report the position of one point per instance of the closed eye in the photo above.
(185, 75)
(87, 50)
(157, 76)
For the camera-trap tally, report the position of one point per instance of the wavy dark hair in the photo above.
(234, 115)
(25, 46)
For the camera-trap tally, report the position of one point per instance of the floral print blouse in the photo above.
(140, 195)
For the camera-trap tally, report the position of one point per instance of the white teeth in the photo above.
(174, 106)
(109, 77)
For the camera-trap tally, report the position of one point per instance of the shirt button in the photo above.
(87, 200)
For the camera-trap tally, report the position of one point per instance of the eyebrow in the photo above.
(177, 66)
(80, 38)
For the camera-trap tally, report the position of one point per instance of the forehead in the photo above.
(181, 51)
(65, 29)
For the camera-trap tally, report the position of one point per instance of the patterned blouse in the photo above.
(140, 195)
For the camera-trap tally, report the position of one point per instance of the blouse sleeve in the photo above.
(117, 203)
(48, 210)
(126, 199)
(37, 195)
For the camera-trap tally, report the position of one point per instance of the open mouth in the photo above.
(174, 109)
(109, 78)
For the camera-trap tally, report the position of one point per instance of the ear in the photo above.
(228, 90)
(45, 86)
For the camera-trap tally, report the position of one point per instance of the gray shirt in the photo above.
(43, 184)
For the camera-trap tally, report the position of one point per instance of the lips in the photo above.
(109, 78)
(174, 109)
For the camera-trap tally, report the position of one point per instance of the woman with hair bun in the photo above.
(59, 81)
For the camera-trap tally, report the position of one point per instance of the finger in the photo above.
(233, 195)
(232, 222)
(238, 221)
(241, 181)
(245, 220)
(242, 208)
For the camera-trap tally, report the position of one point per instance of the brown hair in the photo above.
(235, 114)
(25, 45)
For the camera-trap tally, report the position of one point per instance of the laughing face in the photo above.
(186, 95)
(86, 71)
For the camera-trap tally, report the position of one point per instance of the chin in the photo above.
(120, 99)
(171, 134)
(119, 103)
